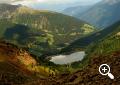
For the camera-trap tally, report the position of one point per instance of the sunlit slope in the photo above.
(11, 72)
(17, 66)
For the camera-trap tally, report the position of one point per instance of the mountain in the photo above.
(32, 32)
(39, 30)
(83, 42)
(13, 64)
(105, 51)
(73, 11)
(18, 66)
(6, 9)
(110, 43)
(103, 14)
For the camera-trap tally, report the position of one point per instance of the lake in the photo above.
(66, 59)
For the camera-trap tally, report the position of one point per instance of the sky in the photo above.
(48, 1)
(51, 4)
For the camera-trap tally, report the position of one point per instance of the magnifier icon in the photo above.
(104, 69)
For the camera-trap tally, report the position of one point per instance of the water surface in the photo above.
(65, 59)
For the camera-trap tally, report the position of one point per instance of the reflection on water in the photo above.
(65, 59)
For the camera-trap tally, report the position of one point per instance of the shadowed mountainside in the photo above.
(82, 43)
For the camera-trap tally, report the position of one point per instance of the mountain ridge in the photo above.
(72, 11)
(103, 14)
(44, 28)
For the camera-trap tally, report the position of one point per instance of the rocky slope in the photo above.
(13, 64)
(6, 9)
(18, 67)
(90, 75)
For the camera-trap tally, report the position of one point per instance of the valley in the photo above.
(107, 51)
(43, 47)
(47, 29)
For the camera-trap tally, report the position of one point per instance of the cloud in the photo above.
(5, 1)
(54, 5)
(26, 2)
(34, 1)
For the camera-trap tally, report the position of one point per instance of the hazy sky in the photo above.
(51, 4)
(48, 1)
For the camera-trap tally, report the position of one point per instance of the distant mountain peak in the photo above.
(102, 14)
(4, 4)
(111, 2)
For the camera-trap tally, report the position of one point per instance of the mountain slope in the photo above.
(110, 43)
(82, 43)
(42, 31)
(13, 68)
(17, 66)
(6, 9)
(73, 11)
(90, 74)
(103, 14)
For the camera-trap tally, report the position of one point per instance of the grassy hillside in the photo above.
(41, 31)
(110, 43)
(82, 43)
